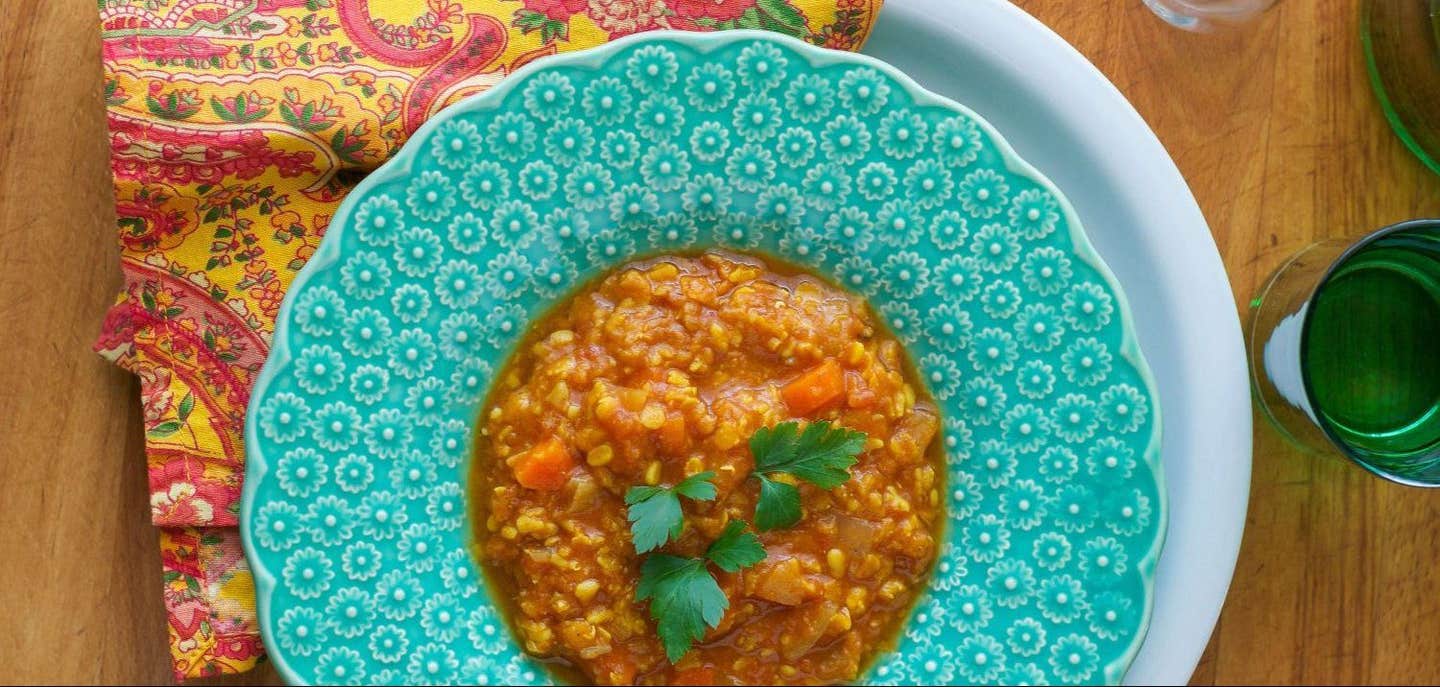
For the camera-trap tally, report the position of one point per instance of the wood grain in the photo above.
(1273, 124)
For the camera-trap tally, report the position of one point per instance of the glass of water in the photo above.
(1345, 350)
(1199, 15)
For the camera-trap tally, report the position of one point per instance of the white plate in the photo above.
(1064, 117)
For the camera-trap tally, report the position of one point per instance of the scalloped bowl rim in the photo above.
(256, 465)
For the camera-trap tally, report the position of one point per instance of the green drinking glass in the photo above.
(1345, 350)
(1401, 39)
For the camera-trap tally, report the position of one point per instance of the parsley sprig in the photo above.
(685, 600)
(820, 454)
(654, 512)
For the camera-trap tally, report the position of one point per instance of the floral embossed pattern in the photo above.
(362, 420)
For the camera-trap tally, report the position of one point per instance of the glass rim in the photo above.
(1330, 270)
(1382, 92)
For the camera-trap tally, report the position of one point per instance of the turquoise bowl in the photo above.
(360, 426)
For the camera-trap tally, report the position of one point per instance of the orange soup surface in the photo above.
(662, 370)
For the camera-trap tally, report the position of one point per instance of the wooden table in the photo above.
(1274, 126)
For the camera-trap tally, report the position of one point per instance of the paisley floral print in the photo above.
(235, 130)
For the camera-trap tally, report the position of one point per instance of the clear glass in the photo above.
(1201, 15)
(1402, 54)
(1345, 350)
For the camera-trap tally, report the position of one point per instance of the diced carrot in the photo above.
(699, 675)
(672, 433)
(815, 388)
(545, 466)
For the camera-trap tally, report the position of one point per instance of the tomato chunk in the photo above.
(815, 388)
(545, 466)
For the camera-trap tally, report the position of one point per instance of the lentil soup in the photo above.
(659, 371)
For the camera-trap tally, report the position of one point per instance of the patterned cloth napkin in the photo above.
(236, 126)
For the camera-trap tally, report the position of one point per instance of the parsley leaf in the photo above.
(779, 505)
(685, 600)
(654, 512)
(735, 548)
(698, 486)
(820, 454)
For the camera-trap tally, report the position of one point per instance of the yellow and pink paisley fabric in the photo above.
(236, 126)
